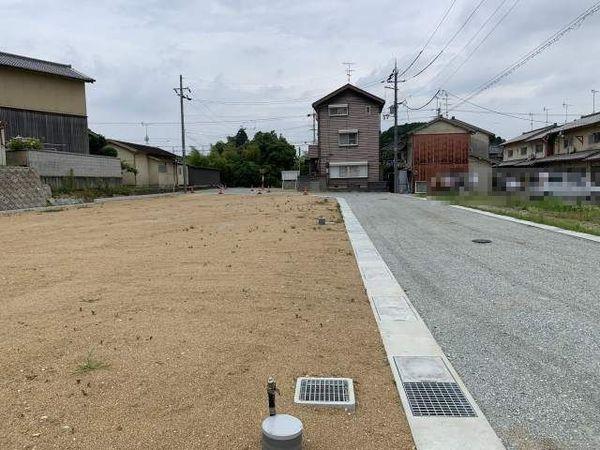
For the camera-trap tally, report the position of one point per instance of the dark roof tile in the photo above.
(39, 65)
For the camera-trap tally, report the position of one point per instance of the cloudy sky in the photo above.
(261, 63)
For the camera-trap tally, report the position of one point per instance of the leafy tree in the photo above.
(243, 161)
(107, 150)
(386, 147)
(97, 143)
(497, 140)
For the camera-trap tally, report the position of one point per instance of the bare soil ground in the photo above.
(188, 304)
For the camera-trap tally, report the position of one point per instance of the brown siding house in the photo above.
(447, 148)
(347, 152)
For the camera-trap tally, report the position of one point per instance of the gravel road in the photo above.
(519, 317)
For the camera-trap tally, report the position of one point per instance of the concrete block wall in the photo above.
(63, 164)
(20, 188)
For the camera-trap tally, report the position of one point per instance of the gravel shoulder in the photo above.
(190, 302)
(518, 317)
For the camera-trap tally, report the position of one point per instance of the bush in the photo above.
(24, 143)
(108, 151)
(126, 167)
(97, 143)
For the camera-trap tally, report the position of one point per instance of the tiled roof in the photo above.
(541, 133)
(531, 135)
(453, 121)
(38, 65)
(378, 100)
(146, 149)
(585, 121)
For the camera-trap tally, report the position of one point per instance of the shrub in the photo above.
(97, 143)
(125, 166)
(24, 143)
(108, 151)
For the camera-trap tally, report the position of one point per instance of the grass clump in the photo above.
(90, 363)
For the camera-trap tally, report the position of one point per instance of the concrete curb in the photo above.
(407, 340)
(135, 197)
(9, 212)
(576, 234)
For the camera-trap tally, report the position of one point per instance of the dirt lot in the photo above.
(190, 303)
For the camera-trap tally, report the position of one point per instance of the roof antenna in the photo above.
(146, 139)
(349, 69)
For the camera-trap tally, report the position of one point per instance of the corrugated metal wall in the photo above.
(437, 154)
(57, 131)
(203, 177)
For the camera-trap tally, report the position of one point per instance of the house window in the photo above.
(594, 138)
(523, 151)
(509, 153)
(368, 109)
(349, 170)
(162, 168)
(338, 110)
(348, 138)
(567, 141)
(539, 149)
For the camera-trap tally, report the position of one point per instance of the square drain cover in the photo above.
(333, 392)
(434, 398)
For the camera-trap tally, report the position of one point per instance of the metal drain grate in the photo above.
(434, 398)
(337, 392)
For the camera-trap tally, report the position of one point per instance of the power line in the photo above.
(425, 105)
(462, 100)
(472, 52)
(430, 38)
(436, 57)
(574, 24)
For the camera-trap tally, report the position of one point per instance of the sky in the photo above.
(261, 63)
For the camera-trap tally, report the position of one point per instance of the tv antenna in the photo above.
(349, 69)
(146, 138)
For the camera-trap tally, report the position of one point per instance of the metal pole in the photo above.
(185, 176)
(396, 127)
(594, 92)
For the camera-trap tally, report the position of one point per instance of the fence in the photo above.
(72, 170)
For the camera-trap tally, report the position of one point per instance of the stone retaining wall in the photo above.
(20, 188)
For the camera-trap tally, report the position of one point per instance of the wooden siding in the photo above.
(437, 154)
(368, 126)
(57, 131)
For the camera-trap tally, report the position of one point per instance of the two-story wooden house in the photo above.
(571, 147)
(44, 100)
(346, 156)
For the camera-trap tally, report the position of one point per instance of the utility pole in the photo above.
(396, 126)
(181, 94)
(594, 92)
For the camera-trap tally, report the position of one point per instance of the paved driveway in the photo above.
(519, 318)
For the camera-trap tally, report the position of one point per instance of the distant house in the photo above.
(346, 155)
(448, 149)
(531, 144)
(155, 167)
(45, 100)
(574, 146)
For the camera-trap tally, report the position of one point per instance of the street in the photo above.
(518, 317)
